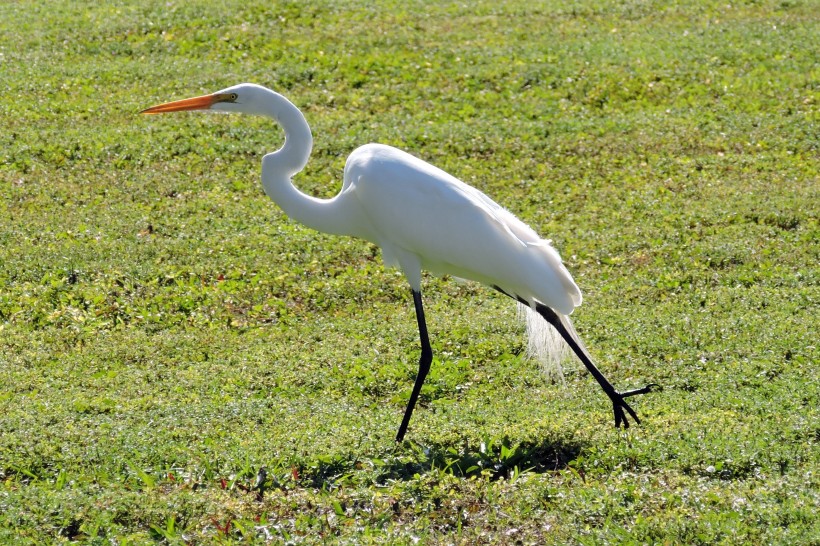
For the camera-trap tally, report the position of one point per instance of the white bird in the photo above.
(422, 218)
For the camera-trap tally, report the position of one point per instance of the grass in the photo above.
(165, 331)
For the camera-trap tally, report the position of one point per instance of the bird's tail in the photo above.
(545, 344)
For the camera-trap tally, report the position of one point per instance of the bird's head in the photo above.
(246, 98)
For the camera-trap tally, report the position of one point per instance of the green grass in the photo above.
(165, 331)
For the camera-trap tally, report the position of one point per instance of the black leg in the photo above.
(618, 402)
(424, 365)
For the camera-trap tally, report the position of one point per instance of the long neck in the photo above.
(278, 167)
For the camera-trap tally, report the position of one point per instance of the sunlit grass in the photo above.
(165, 331)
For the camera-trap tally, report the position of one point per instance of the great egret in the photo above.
(421, 217)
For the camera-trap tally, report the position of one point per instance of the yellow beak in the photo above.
(196, 103)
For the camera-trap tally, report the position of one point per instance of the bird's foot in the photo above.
(619, 404)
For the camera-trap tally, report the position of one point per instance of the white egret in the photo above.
(421, 217)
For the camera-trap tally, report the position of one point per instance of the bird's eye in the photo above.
(234, 96)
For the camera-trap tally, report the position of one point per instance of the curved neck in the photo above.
(278, 167)
(294, 154)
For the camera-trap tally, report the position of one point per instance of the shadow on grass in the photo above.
(496, 459)
(499, 458)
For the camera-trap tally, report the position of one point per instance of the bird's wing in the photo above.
(418, 212)
(414, 204)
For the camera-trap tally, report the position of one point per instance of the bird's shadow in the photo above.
(493, 459)
(497, 459)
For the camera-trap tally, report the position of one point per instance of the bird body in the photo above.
(421, 217)
(424, 218)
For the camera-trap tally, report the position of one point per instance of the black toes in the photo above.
(652, 387)
(619, 405)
